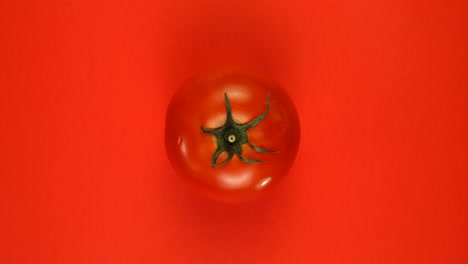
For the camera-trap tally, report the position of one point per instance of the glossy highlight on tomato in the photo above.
(231, 133)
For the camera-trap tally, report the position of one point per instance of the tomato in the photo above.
(231, 133)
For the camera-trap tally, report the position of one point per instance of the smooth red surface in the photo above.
(380, 86)
(200, 101)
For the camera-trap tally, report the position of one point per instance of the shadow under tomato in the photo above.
(214, 33)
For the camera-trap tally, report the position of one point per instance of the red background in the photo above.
(380, 86)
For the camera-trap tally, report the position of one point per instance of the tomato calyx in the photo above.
(231, 136)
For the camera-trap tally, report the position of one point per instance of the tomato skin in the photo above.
(201, 102)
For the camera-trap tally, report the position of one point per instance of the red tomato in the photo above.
(231, 133)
